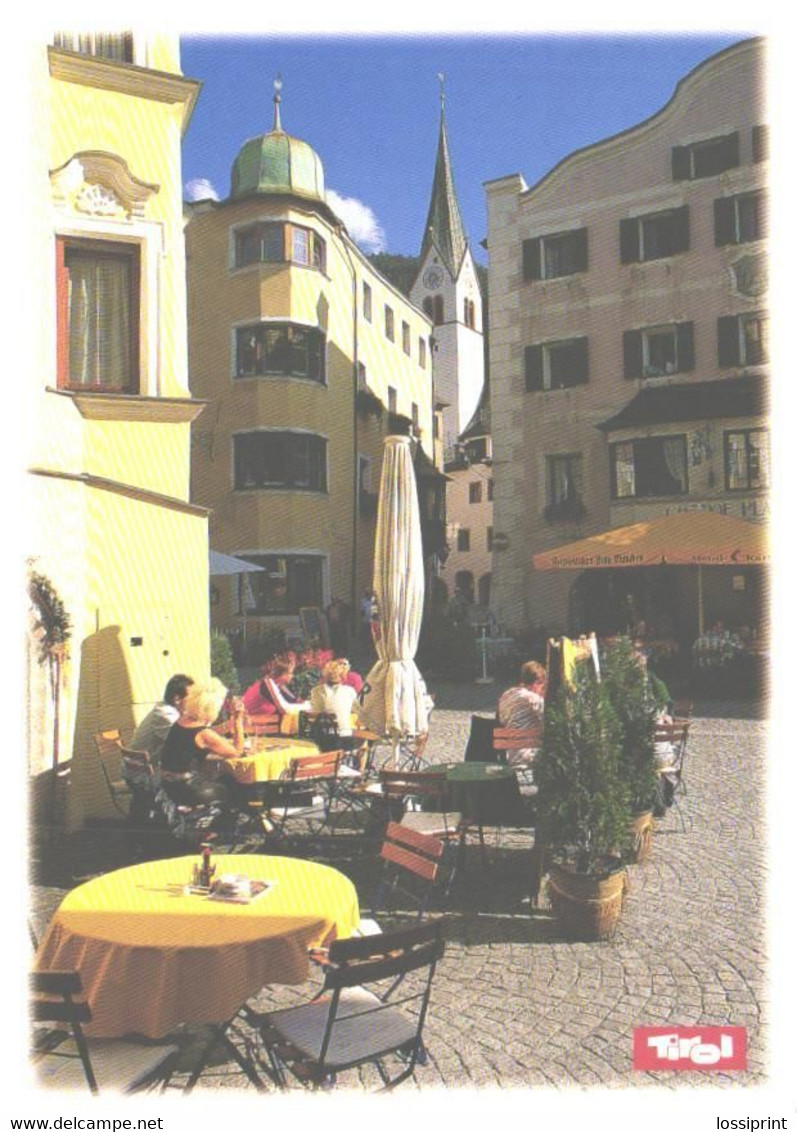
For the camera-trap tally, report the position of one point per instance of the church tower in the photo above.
(447, 289)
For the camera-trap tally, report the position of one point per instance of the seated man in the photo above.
(521, 708)
(150, 735)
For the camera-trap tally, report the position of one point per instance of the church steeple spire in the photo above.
(444, 227)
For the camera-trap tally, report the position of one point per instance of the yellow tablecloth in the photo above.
(151, 957)
(269, 759)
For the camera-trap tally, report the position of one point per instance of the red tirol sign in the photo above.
(690, 1047)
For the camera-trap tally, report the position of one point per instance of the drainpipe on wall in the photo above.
(355, 434)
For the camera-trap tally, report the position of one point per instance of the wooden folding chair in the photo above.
(513, 739)
(676, 736)
(306, 792)
(109, 750)
(63, 1061)
(357, 1021)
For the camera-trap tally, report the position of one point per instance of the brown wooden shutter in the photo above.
(724, 227)
(534, 370)
(681, 229)
(685, 338)
(629, 241)
(728, 341)
(532, 260)
(681, 165)
(632, 353)
(581, 250)
(760, 143)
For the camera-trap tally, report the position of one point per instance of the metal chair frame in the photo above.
(109, 745)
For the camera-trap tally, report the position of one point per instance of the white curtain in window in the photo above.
(737, 460)
(759, 459)
(99, 321)
(675, 459)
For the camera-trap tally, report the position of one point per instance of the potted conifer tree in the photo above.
(584, 810)
(626, 683)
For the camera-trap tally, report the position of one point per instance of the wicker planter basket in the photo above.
(587, 906)
(641, 837)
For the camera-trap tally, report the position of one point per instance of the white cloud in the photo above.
(363, 226)
(200, 189)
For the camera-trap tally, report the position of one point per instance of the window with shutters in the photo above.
(551, 257)
(475, 492)
(655, 235)
(743, 339)
(565, 486)
(271, 459)
(367, 302)
(740, 219)
(649, 467)
(463, 539)
(557, 365)
(659, 351)
(390, 329)
(747, 459)
(98, 303)
(705, 158)
(280, 349)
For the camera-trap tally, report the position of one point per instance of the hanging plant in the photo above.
(53, 619)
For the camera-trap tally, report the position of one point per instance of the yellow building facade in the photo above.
(113, 530)
(307, 357)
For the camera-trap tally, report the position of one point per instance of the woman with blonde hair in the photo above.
(192, 742)
(335, 697)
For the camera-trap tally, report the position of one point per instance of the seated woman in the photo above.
(192, 742)
(521, 708)
(270, 695)
(334, 697)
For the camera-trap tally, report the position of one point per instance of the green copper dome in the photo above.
(278, 163)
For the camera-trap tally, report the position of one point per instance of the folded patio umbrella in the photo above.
(394, 705)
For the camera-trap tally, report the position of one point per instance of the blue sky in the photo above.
(370, 107)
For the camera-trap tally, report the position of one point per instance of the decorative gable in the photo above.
(100, 184)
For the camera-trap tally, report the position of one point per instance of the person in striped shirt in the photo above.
(522, 706)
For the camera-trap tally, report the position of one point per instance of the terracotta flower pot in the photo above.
(588, 906)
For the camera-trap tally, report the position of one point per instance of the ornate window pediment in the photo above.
(100, 184)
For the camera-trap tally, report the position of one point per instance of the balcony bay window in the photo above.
(747, 459)
(649, 467)
(294, 460)
(287, 583)
(98, 315)
(271, 242)
(280, 349)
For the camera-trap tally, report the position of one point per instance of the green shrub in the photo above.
(634, 704)
(584, 811)
(222, 664)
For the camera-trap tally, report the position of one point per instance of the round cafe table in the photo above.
(487, 793)
(268, 760)
(152, 956)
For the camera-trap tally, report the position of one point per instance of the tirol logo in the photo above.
(690, 1047)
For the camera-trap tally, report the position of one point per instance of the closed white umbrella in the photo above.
(395, 704)
(223, 565)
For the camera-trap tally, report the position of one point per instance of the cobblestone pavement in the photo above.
(514, 1004)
